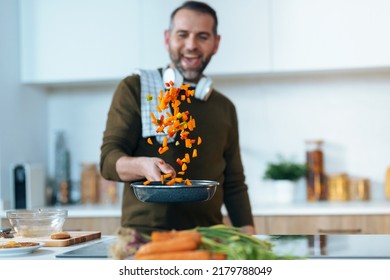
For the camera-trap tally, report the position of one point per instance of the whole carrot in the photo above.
(183, 243)
(166, 235)
(182, 255)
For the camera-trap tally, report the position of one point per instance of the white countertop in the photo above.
(49, 253)
(293, 209)
(299, 208)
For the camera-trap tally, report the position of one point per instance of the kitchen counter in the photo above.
(49, 253)
(303, 246)
(381, 207)
(293, 209)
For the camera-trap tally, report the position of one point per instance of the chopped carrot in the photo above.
(170, 182)
(165, 141)
(184, 167)
(147, 182)
(188, 182)
(162, 150)
(194, 153)
(199, 140)
(150, 141)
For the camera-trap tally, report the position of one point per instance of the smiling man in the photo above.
(126, 155)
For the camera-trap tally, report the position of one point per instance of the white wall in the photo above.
(23, 111)
(349, 111)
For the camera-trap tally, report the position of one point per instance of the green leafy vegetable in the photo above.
(237, 245)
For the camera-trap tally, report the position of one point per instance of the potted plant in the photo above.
(284, 175)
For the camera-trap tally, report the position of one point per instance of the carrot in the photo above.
(218, 256)
(166, 235)
(183, 255)
(184, 243)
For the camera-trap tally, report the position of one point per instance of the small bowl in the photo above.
(37, 222)
(201, 190)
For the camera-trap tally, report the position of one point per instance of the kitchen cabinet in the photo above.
(323, 224)
(75, 41)
(329, 34)
(71, 40)
(244, 31)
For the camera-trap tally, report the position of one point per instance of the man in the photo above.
(191, 41)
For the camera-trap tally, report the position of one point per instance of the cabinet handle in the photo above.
(339, 231)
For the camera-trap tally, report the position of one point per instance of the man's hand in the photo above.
(138, 168)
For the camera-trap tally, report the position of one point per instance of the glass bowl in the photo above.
(37, 222)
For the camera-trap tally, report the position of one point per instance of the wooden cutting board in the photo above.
(76, 237)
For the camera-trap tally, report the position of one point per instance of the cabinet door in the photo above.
(330, 34)
(71, 40)
(338, 224)
(244, 31)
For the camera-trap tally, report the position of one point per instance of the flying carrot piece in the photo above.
(149, 97)
(178, 180)
(181, 172)
(171, 182)
(162, 150)
(165, 141)
(150, 141)
(188, 182)
(194, 153)
(147, 182)
(199, 140)
(187, 156)
(184, 167)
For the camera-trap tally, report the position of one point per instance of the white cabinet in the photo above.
(72, 40)
(244, 28)
(244, 31)
(330, 34)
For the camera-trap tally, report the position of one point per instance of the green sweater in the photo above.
(218, 159)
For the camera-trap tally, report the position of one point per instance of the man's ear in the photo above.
(216, 47)
(166, 39)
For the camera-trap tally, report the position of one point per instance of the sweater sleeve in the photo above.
(236, 197)
(123, 126)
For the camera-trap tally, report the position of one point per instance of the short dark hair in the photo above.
(198, 7)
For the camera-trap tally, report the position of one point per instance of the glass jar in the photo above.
(89, 185)
(315, 177)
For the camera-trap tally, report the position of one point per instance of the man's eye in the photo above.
(182, 35)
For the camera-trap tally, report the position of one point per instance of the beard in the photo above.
(193, 74)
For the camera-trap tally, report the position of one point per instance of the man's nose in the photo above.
(191, 43)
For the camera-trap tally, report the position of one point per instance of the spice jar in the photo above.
(89, 183)
(339, 187)
(315, 176)
(360, 189)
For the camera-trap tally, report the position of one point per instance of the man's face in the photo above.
(191, 43)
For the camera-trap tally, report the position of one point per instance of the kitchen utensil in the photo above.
(201, 190)
(37, 222)
(6, 232)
